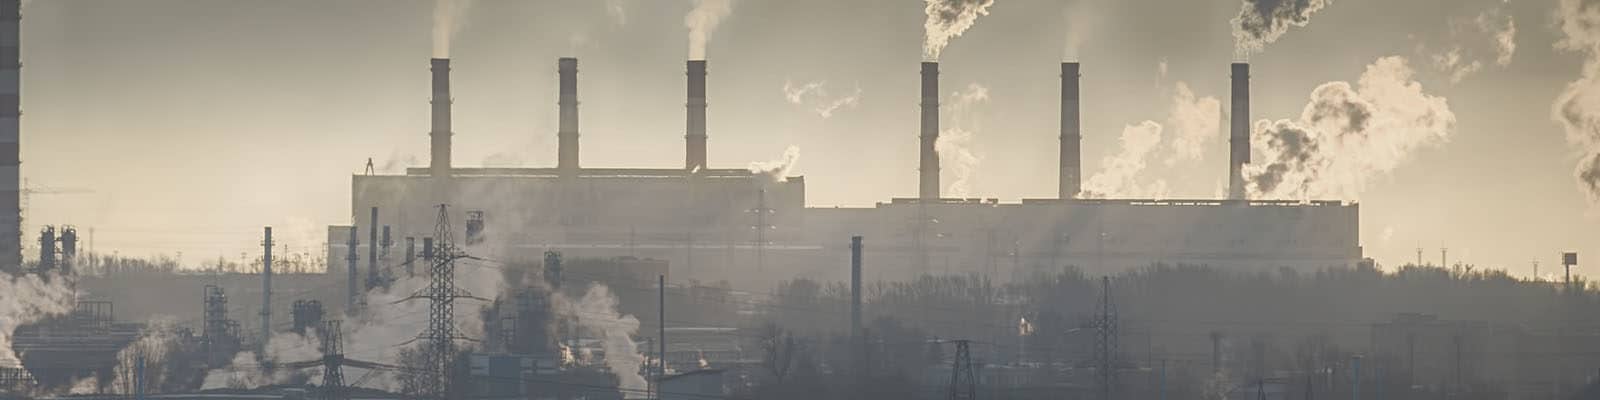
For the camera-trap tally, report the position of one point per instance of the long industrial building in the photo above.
(744, 226)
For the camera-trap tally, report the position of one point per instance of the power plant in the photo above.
(699, 281)
(721, 222)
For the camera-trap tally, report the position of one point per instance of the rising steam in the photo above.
(618, 11)
(1080, 19)
(1346, 135)
(956, 155)
(1577, 109)
(815, 97)
(447, 20)
(1494, 34)
(948, 19)
(702, 22)
(1196, 120)
(1119, 173)
(596, 314)
(26, 299)
(1261, 22)
(778, 170)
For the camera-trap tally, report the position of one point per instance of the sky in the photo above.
(197, 122)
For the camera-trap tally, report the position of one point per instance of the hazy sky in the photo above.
(199, 121)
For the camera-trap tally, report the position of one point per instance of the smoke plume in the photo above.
(1080, 19)
(26, 299)
(447, 20)
(1119, 173)
(815, 97)
(1261, 22)
(1196, 120)
(618, 11)
(1577, 108)
(778, 170)
(596, 314)
(702, 22)
(948, 19)
(1494, 28)
(1346, 135)
(956, 155)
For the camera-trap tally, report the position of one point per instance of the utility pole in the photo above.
(762, 225)
(266, 287)
(1355, 371)
(411, 256)
(138, 373)
(1216, 352)
(963, 384)
(855, 285)
(373, 280)
(661, 302)
(355, 275)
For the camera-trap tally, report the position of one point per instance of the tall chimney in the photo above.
(1071, 140)
(695, 138)
(928, 189)
(266, 285)
(440, 162)
(10, 128)
(1239, 136)
(567, 157)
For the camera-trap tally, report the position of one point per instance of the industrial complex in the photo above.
(716, 223)
(699, 281)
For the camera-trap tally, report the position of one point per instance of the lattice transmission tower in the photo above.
(1105, 343)
(332, 360)
(441, 293)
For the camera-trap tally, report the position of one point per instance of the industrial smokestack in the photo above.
(567, 150)
(1071, 181)
(928, 188)
(266, 285)
(440, 162)
(1239, 137)
(10, 128)
(695, 138)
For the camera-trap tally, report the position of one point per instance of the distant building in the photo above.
(693, 385)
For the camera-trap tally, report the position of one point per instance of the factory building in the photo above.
(736, 224)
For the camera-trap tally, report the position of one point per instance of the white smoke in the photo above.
(702, 21)
(618, 11)
(1080, 20)
(948, 19)
(1119, 173)
(447, 21)
(596, 314)
(1197, 121)
(1261, 22)
(28, 298)
(1346, 135)
(956, 155)
(1495, 28)
(155, 347)
(1577, 108)
(815, 97)
(778, 170)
